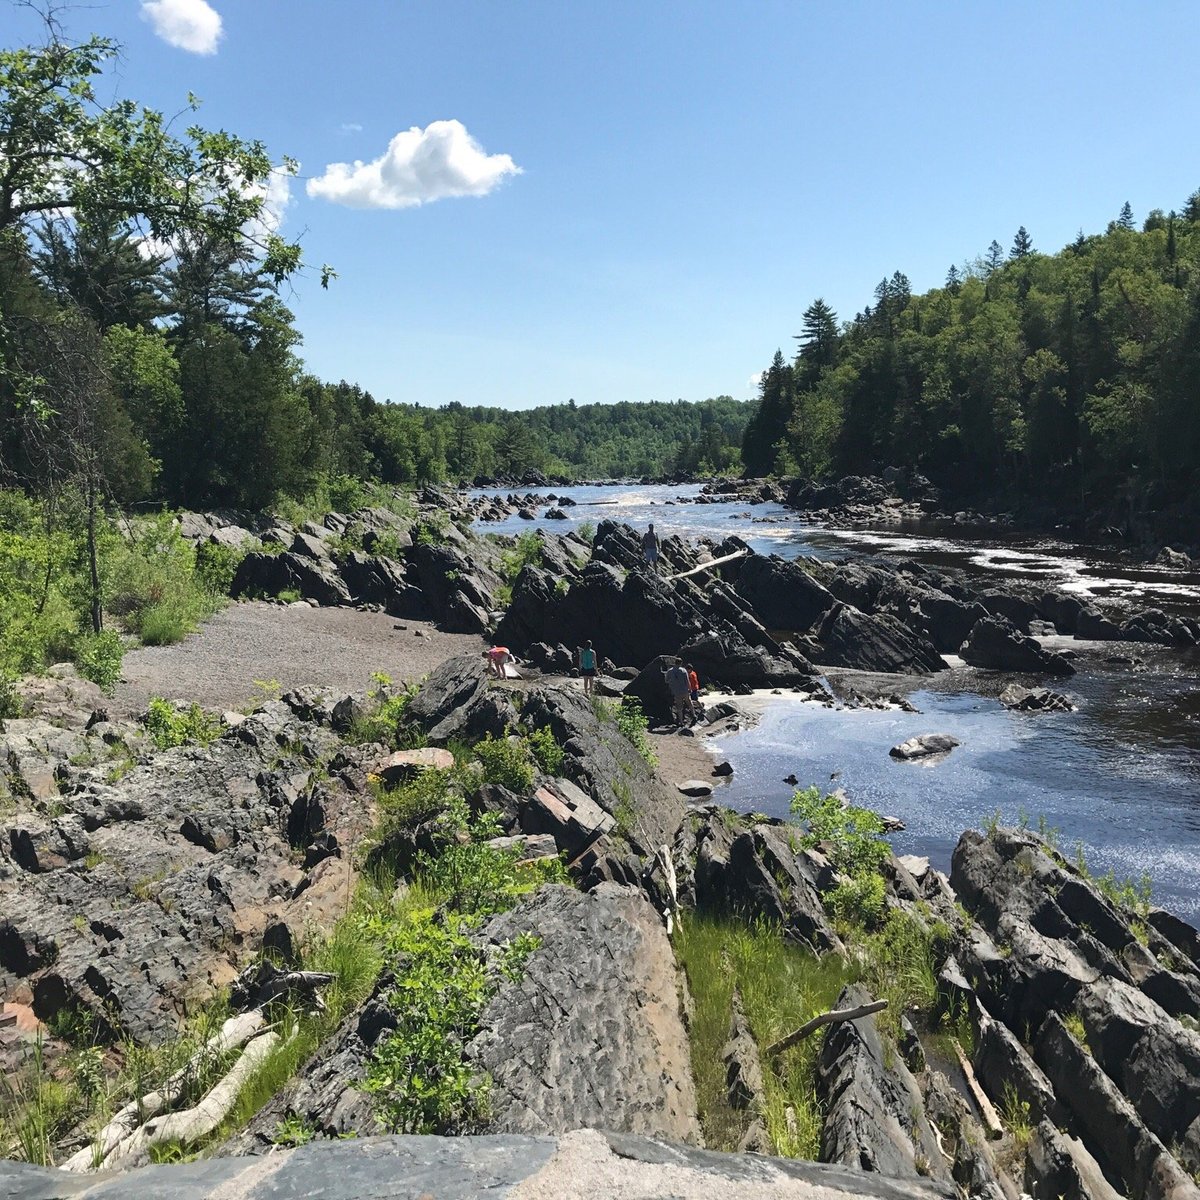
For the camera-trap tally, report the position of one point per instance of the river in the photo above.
(1119, 779)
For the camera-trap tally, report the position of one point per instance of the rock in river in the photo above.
(924, 746)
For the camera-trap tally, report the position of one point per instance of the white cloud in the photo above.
(350, 127)
(755, 380)
(191, 25)
(420, 165)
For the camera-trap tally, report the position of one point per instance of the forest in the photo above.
(1074, 374)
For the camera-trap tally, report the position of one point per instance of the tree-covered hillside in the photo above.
(1075, 374)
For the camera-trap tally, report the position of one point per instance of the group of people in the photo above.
(684, 686)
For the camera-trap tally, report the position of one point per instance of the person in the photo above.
(678, 684)
(650, 546)
(498, 657)
(694, 693)
(587, 667)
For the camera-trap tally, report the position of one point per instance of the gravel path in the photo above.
(337, 648)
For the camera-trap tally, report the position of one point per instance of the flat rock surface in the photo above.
(338, 648)
(583, 1165)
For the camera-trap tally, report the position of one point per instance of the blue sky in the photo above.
(690, 176)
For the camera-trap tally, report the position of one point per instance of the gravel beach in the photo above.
(293, 644)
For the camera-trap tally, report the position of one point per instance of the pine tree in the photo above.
(769, 423)
(953, 280)
(1125, 220)
(818, 342)
(1022, 245)
(995, 257)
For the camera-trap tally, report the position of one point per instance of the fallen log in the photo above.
(990, 1117)
(708, 566)
(235, 1032)
(825, 1018)
(192, 1124)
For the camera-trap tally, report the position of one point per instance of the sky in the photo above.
(530, 202)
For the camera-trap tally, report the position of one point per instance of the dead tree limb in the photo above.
(237, 1031)
(990, 1117)
(825, 1018)
(708, 566)
(192, 1124)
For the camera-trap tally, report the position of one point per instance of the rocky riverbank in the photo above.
(138, 881)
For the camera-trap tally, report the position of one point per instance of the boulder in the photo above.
(782, 594)
(1024, 699)
(924, 746)
(994, 643)
(404, 765)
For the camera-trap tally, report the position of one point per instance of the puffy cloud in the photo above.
(419, 165)
(192, 25)
(755, 380)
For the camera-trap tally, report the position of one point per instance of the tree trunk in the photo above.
(93, 566)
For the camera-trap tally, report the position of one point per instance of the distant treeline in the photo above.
(1076, 373)
(197, 396)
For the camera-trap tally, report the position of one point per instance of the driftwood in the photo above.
(263, 982)
(825, 1018)
(195, 1123)
(990, 1117)
(237, 1031)
(708, 566)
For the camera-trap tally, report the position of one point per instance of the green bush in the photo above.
(505, 761)
(546, 750)
(586, 531)
(216, 566)
(526, 551)
(388, 706)
(170, 727)
(346, 494)
(98, 658)
(631, 721)
(10, 702)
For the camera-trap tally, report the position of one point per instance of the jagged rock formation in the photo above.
(130, 888)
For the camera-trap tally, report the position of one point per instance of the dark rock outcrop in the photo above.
(996, 644)
(850, 638)
(1023, 699)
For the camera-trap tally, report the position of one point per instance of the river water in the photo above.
(1119, 779)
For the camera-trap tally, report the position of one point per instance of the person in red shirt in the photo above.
(497, 658)
(694, 692)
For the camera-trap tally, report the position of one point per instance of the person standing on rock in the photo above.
(680, 687)
(694, 693)
(650, 547)
(587, 667)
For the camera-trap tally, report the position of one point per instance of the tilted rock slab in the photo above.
(591, 1034)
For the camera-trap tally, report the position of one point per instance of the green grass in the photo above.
(781, 987)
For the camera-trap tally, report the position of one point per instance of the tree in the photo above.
(818, 342)
(1125, 220)
(769, 423)
(995, 257)
(953, 280)
(65, 150)
(95, 263)
(1022, 245)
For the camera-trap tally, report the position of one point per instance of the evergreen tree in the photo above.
(1125, 220)
(818, 343)
(1022, 245)
(953, 280)
(769, 423)
(995, 257)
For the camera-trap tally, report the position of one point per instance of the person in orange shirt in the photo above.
(497, 658)
(694, 692)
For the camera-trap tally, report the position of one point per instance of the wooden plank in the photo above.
(825, 1018)
(990, 1117)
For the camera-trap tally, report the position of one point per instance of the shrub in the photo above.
(526, 551)
(98, 658)
(631, 721)
(216, 566)
(346, 494)
(858, 851)
(382, 724)
(546, 750)
(506, 762)
(586, 531)
(10, 702)
(169, 726)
